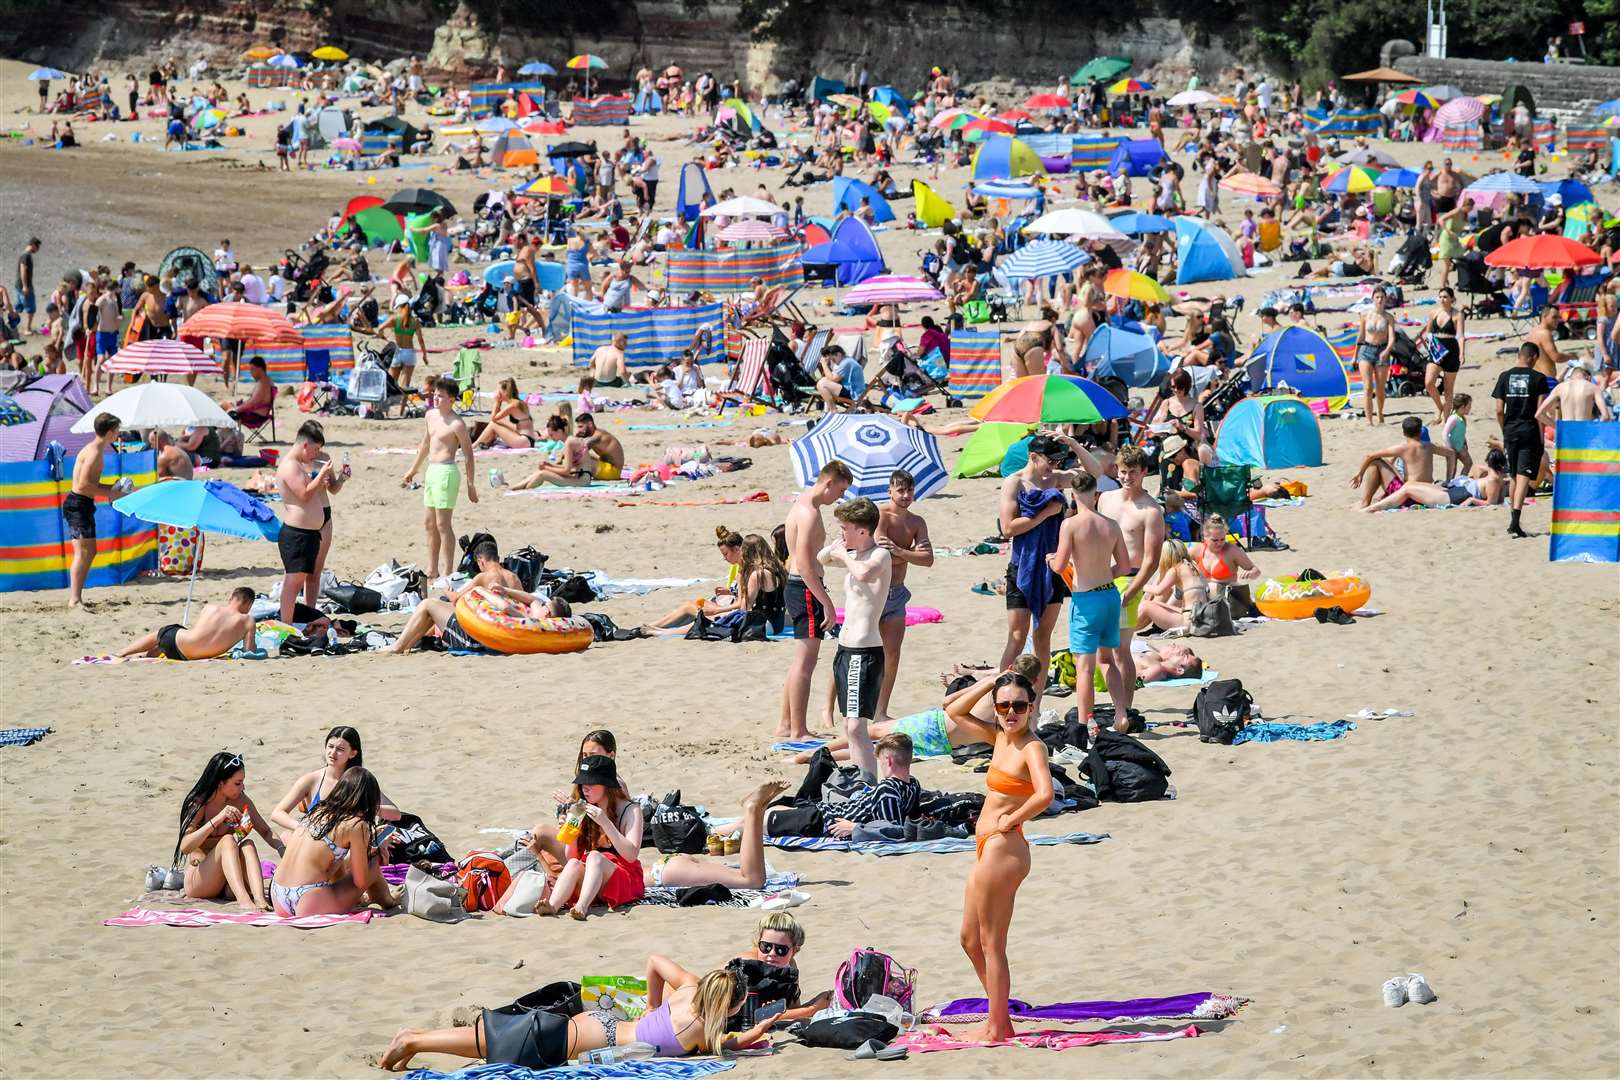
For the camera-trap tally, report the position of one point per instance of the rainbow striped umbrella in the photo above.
(1049, 399)
(1419, 99)
(1352, 178)
(951, 119)
(1130, 86)
(586, 61)
(1134, 286)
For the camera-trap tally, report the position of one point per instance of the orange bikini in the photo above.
(1219, 571)
(1006, 784)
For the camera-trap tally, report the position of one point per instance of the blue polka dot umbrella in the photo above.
(873, 446)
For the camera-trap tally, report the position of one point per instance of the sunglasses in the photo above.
(1017, 708)
(771, 948)
(235, 762)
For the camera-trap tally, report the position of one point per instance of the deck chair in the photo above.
(1522, 316)
(1576, 301)
(469, 363)
(752, 381)
(318, 373)
(1224, 490)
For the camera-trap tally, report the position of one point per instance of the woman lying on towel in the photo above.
(217, 823)
(772, 977)
(342, 752)
(686, 1015)
(758, 596)
(333, 863)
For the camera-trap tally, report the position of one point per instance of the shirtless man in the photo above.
(588, 454)
(303, 485)
(1093, 549)
(808, 607)
(608, 364)
(1378, 476)
(1141, 519)
(905, 536)
(1447, 186)
(335, 479)
(1576, 398)
(173, 463)
(858, 663)
(79, 508)
(1548, 356)
(446, 433)
(218, 627)
(525, 279)
(441, 611)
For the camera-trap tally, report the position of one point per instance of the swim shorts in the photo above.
(804, 611)
(524, 290)
(458, 640)
(1127, 612)
(440, 485)
(1017, 601)
(895, 605)
(1094, 620)
(606, 470)
(168, 641)
(928, 733)
(299, 549)
(106, 342)
(858, 676)
(79, 511)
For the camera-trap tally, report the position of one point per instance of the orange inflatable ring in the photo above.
(504, 626)
(1290, 598)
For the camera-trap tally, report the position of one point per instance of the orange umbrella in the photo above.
(241, 322)
(261, 52)
(1248, 183)
(1134, 286)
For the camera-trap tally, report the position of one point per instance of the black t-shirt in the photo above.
(26, 259)
(1527, 162)
(1520, 389)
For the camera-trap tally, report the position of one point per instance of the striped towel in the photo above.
(23, 736)
(654, 1069)
(140, 916)
(911, 847)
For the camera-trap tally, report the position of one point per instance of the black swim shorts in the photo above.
(168, 641)
(858, 676)
(804, 611)
(1524, 453)
(1017, 601)
(80, 513)
(299, 549)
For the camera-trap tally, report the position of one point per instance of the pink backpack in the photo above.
(868, 973)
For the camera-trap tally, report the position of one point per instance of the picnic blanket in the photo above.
(1293, 732)
(911, 847)
(1200, 1006)
(142, 916)
(653, 1069)
(928, 1040)
(23, 736)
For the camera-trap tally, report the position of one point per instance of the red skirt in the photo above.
(624, 886)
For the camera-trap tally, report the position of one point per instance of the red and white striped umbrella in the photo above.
(1461, 110)
(241, 322)
(892, 289)
(749, 229)
(161, 356)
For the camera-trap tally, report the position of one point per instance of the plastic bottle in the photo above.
(568, 831)
(608, 1055)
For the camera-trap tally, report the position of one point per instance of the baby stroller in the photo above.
(1471, 280)
(370, 383)
(1412, 262)
(305, 273)
(1407, 363)
(903, 377)
(428, 301)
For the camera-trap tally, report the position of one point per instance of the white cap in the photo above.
(401, 300)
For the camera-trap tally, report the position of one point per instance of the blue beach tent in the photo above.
(1276, 432)
(853, 252)
(848, 193)
(1302, 359)
(1207, 253)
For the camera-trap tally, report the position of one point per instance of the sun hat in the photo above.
(597, 769)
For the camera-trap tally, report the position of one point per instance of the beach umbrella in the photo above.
(748, 229)
(1444, 92)
(212, 506)
(1417, 99)
(1070, 221)
(545, 127)
(260, 52)
(1369, 155)
(537, 67)
(891, 289)
(1013, 116)
(1006, 189)
(1543, 253)
(1352, 178)
(1195, 98)
(987, 126)
(571, 150)
(882, 113)
(1398, 178)
(1048, 102)
(357, 204)
(1130, 285)
(848, 101)
(873, 446)
(1101, 67)
(346, 143)
(208, 118)
(1382, 74)
(158, 405)
(953, 118)
(586, 62)
(1569, 192)
(160, 356)
(1248, 183)
(1003, 156)
(1130, 86)
(1608, 108)
(241, 322)
(743, 206)
(329, 52)
(1049, 399)
(1137, 223)
(987, 448)
(416, 200)
(284, 60)
(546, 185)
(1461, 110)
(1043, 258)
(45, 74)
(1509, 183)
(12, 413)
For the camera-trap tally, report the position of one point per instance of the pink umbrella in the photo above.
(891, 289)
(162, 356)
(345, 144)
(748, 229)
(1461, 110)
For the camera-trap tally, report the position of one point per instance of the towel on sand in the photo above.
(1201, 1006)
(654, 1069)
(911, 847)
(1293, 732)
(139, 916)
(914, 615)
(23, 736)
(927, 1040)
(798, 746)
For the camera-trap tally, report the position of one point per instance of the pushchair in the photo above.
(1412, 261)
(370, 383)
(903, 377)
(1472, 280)
(306, 273)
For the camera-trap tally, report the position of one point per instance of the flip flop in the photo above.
(872, 1050)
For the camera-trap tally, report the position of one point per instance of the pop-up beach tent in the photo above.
(1276, 432)
(1136, 156)
(1301, 359)
(852, 252)
(694, 184)
(1207, 253)
(1004, 156)
(848, 193)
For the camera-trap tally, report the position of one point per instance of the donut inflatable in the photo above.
(1290, 598)
(502, 626)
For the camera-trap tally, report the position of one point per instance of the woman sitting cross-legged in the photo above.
(334, 861)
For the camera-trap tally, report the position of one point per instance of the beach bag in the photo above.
(561, 998)
(432, 898)
(485, 878)
(766, 985)
(1221, 710)
(868, 973)
(678, 830)
(179, 550)
(468, 564)
(527, 889)
(414, 842)
(847, 1032)
(526, 563)
(355, 599)
(1212, 618)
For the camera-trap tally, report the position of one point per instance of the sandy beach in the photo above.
(1473, 841)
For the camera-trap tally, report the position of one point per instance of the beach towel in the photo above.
(926, 1041)
(1293, 732)
(798, 746)
(676, 427)
(140, 916)
(912, 847)
(605, 586)
(654, 1069)
(606, 491)
(23, 736)
(1209, 676)
(1201, 1006)
(751, 497)
(914, 615)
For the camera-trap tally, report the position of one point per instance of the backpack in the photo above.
(415, 842)
(526, 563)
(678, 829)
(1221, 710)
(868, 973)
(468, 564)
(485, 877)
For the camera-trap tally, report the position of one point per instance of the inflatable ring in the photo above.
(504, 627)
(1290, 598)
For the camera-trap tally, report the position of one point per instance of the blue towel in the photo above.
(1029, 550)
(654, 1069)
(1293, 732)
(797, 746)
(250, 508)
(912, 847)
(23, 736)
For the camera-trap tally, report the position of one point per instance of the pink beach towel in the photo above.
(914, 615)
(929, 1039)
(140, 916)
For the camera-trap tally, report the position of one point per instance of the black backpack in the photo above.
(526, 563)
(1221, 710)
(416, 843)
(678, 829)
(468, 564)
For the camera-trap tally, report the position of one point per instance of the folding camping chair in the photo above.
(1224, 490)
(318, 373)
(469, 363)
(1522, 316)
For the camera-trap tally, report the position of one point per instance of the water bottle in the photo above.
(609, 1055)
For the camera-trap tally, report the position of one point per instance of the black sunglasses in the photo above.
(769, 948)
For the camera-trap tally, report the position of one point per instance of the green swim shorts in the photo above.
(440, 485)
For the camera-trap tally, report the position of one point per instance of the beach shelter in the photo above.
(1346, 123)
(1301, 359)
(853, 253)
(873, 446)
(1004, 156)
(1054, 148)
(34, 547)
(822, 88)
(694, 184)
(649, 102)
(1138, 157)
(1091, 151)
(932, 209)
(847, 195)
(1273, 432)
(1102, 68)
(409, 134)
(986, 449)
(975, 363)
(1571, 192)
(733, 270)
(513, 151)
(330, 123)
(1207, 253)
(56, 402)
(1131, 357)
(736, 112)
(657, 335)
(1586, 492)
(378, 226)
(894, 99)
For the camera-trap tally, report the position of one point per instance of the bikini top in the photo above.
(657, 1027)
(1218, 571)
(1008, 784)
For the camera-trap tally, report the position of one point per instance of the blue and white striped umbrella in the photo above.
(1512, 183)
(1043, 258)
(1006, 189)
(873, 446)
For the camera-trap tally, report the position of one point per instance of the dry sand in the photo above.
(1473, 841)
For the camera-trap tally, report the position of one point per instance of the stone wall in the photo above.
(1570, 89)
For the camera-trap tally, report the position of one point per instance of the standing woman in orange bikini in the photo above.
(1020, 786)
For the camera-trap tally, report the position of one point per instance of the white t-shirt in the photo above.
(649, 168)
(224, 261)
(278, 288)
(253, 288)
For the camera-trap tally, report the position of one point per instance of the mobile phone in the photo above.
(382, 835)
